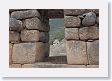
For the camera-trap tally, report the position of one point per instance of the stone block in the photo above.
(87, 33)
(45, 27)
(44, 37)
(93, 52)
(71, 33)
(89, 19)
(73, 11)
(10, 53)
(27, 66)
(92, 66)
(76, 52)
(15, 25)
(71, 21)
(14, 37)
(97, 20)
(47, 49)
(30, 35)
(25, 14)
(24, 53)
(96, 11)
(15, 66)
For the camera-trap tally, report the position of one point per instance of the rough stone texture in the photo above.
(45, 27)
(97, 20)
(96, 11)
(89, 19)
(30, 35)
(24, 53)
(15, 66)
(27, 66)
(10, 53)
(25, 14)
(43, 36)
(93, 52)
(40, 56)
(15, 25)
(14, 37)
(92, 66)
(71, 33)
(47, 49)
(86, 33)
(76, 52)
(71, 21)
(73, 11)
(33, 23)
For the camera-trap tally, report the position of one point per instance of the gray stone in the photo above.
(92, 66)
(71, 33)
(33, 23)
(47, 49)
(96, 11)
(14, 37)
(76, 52)
(97, 20)
(24, 53)
(30, 35)
(25, 14)
(15, 66)
(71, 21)
(93, 52)
(15, 25)
(73, 11)
(45, 27)
(10, 53)
(43, 36)
(89, 19)
(87, 33)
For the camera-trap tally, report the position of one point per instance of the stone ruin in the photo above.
(29, 36)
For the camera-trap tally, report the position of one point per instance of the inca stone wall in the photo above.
(29, 36)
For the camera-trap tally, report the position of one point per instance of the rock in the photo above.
(56, 41)
(88, 33)
(71, 33)
(44, 37)
(73, 11)
(92, 66)
(33, 23)
(30, 35)
(47, 49)
(76, 52)
(25, 14)
(27, 66)
(93, 52)
(97, 20)
(14, 37)
(71, 21)
(89, 19)
(96, 11)
(45, 27)
(15, 25)
(24, 53)
(15, 66)
(10, 53)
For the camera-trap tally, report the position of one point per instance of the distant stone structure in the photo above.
(29, 36)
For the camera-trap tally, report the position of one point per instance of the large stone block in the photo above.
(96, 11)
(25, 14)
(15, 25)
(10, 53)
(33, 23)
(30, 35)
(87, 33)
(14, 37)
(43, 36)
(89, 19)
(71, 33)
(15, 66)
(45, 27)
(71, 21)
(76, 52)
(47, 49)
(24, 53)
(93, 52)
(73, 11)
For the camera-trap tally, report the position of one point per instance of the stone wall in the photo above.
(28, 36)
(82, 35)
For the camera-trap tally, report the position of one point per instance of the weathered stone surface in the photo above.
(92, 66)
(33, 23)
(71, 33)
(25, 14)
(87, 33)
(15, 66)
(15, 25)
(43, 36)
(89, 19)
(96, 11)
(97, 20)
(11, 10)
(93, 52)
(44, 27)
(71, 21)
(14, 37)
(30, 35)
(10, 53)
(76, 52)
(47, 49)
(27, 66)
(73, 11)
(24, 53)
